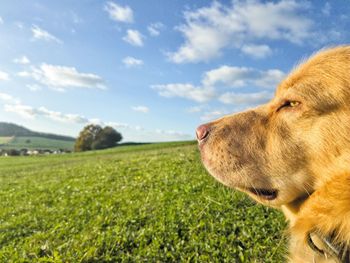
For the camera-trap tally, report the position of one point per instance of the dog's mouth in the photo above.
(267, 194)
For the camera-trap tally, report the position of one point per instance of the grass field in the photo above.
(150, 203)
(37, 143)
(4, 140)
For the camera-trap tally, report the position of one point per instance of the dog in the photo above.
(293, 153)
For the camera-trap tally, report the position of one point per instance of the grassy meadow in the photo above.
(32, 142)
(4, 140)
(147, 203)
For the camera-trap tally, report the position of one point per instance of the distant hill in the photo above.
(11, 129)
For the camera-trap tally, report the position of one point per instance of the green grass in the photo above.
(37, 143)
(4, 140)
(151, 203)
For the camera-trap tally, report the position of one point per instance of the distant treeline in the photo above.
(10, 129)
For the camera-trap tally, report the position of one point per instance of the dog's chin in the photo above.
(232, 180)
(266, 195)
(256, 187)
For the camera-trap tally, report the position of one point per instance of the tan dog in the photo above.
(293, 153)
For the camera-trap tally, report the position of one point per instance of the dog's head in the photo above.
(282, 151)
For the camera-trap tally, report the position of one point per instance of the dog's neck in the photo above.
(291, 210)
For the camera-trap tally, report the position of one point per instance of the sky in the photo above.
(154, 70)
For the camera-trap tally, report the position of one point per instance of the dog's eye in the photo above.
(289, 104)
(294, 103)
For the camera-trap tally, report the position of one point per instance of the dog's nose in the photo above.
(202, 132)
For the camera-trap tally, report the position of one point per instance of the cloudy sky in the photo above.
(152, 69)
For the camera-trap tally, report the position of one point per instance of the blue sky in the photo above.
(154, 69)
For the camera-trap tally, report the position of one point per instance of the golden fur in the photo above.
(293, 153)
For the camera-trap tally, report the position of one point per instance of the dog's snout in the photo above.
(202, 132)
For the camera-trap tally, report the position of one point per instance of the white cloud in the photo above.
(246, 98)
(4, 76)
(225, 77)
(1, 20)
(22, 60)
(202, 44)
(24, 74)
(142, 109)
(119, 13)
(58, 116)
(242, 76)
(41, 34)
(8, 98)
(187, 91)
(30, 112)
(270, 78)
(134, 38)
(5, 96)
(61, 77)
(13, 105)
(208, 30)
(132, 62)
(257, 51)
(229, 76)
(155, 28)
(25, 111)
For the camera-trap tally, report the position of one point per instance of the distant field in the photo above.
(4, 140)
(37, 143)
(150, 203)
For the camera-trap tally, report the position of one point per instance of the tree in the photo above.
(106, 138)
(86, 137)
(93, 137)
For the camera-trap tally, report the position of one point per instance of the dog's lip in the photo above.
(267, 194)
